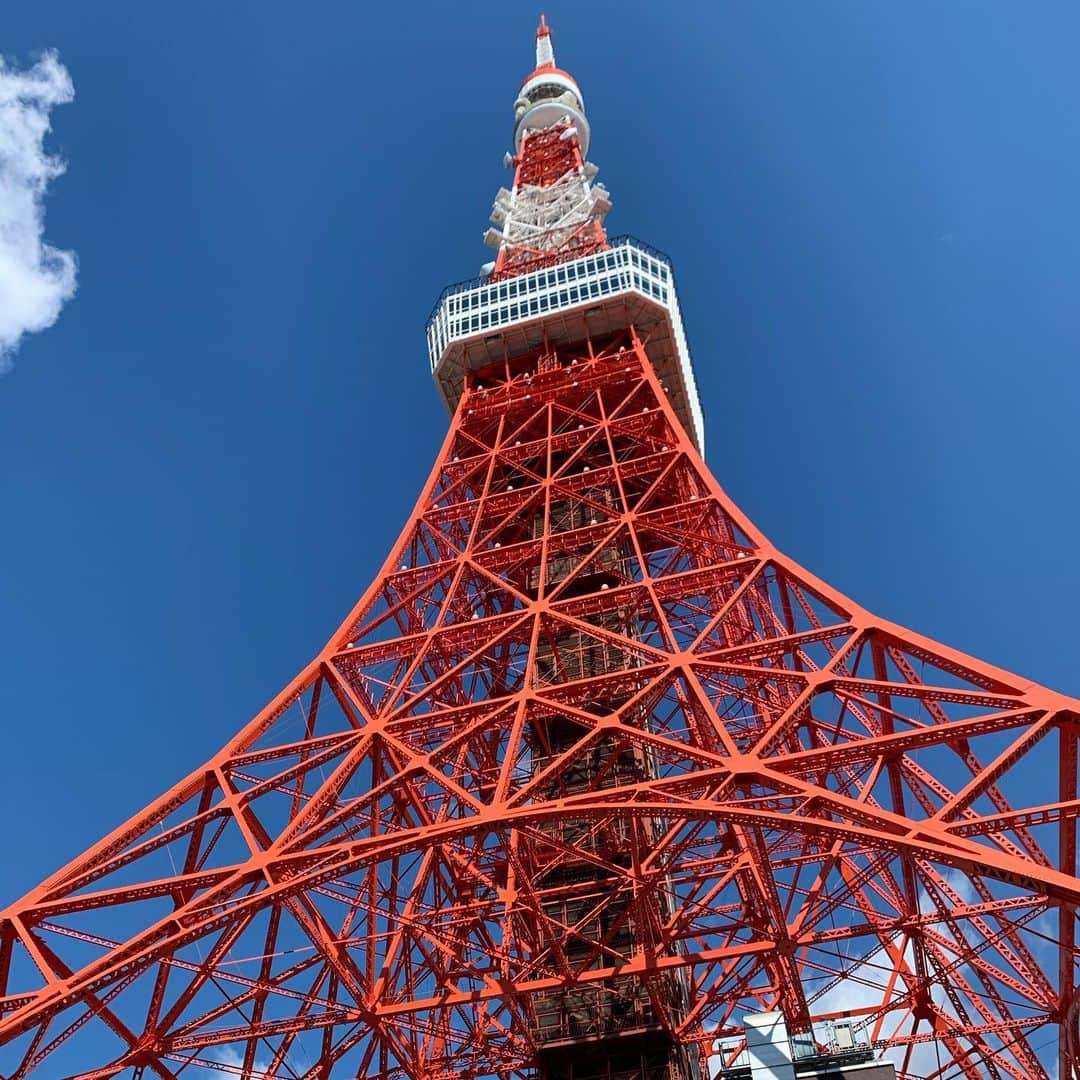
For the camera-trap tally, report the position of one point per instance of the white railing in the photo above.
(479, 308)
(476, 307)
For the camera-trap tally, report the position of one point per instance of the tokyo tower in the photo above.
(593, 781)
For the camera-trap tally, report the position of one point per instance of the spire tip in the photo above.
(545, 55)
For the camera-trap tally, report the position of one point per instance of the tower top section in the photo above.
(545, 54)
(548, 95)
(556, 280)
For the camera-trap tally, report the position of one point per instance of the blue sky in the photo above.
(872, 213)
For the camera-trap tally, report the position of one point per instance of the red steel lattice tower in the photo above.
(591, 771)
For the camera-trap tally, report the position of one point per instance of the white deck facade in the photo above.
(476, 323)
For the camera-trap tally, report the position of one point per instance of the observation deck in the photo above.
(476, 323)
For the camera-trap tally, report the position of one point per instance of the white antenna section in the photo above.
(547, 217)
(545, 54)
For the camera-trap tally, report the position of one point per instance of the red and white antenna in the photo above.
(545, 54)
(555, 211)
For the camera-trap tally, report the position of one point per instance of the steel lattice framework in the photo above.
(589, 751)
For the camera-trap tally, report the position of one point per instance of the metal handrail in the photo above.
(623, 240)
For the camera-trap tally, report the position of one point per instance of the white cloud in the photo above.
(874, 968)
(233, 1060)
(36, 279)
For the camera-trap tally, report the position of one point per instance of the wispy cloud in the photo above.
(233, 1060)
(36, 279)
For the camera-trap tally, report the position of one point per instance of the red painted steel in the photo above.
(580, 653)
(546, 157)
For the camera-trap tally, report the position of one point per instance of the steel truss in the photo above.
(839, 815)
(555, 213)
